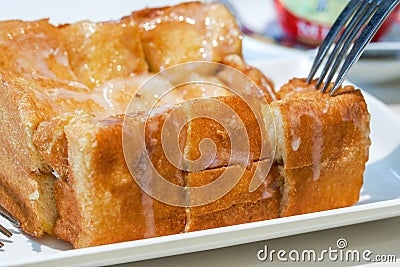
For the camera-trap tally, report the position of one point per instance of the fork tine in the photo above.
(344, 16)
(344, 38)
(4, 231)
(378, 18)
(350, 34)
(8, 216)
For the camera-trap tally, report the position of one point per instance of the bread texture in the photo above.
(323, 146)
(71, 105)
(239, 205)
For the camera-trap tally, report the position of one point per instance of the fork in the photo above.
(353, 29)
(4, 230)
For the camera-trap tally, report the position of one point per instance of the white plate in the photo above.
(375, 71)
(380, 198)
(378, 70)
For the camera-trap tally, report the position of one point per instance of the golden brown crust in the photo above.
(240, 213)
(56, 123)
(102, 51)
(338, 185)
(213, 128)
(107, 205)
(325, 148)
(34, 48)
(20, 116)
(14, 201)
(187, 32)
(239, 205)
(69, 218)
(315, 124)
(51, 142)
(28, 197)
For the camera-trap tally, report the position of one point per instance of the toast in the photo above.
(323, 144)
(67, 94)
(294, 185)
(187, 32)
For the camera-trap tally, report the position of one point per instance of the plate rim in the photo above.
(366, 213)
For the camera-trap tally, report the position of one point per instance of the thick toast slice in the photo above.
(99, 202)
(323, 145)
(187, 32)
(101, 51)
(26, 99)
(239, 205)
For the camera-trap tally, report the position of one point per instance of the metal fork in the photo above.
(4, 230)
(351, 33)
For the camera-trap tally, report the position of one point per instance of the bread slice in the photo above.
(101, 51)
(323, 146)
(239, 205)
(99, 202)
(187, 32)
(94, 198)
(37, 84)
(225, 121)
(34, 48)
(28, 49)
(96, 192)
(28, 196)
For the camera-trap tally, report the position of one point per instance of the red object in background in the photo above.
(312, 33)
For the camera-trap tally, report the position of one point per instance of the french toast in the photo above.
(67, 94)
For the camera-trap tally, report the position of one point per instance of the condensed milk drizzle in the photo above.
(317, 137)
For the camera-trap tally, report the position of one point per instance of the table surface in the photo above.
(380, 237)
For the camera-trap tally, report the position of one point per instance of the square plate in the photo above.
(380, 198)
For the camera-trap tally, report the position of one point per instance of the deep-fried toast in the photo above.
(64, 94)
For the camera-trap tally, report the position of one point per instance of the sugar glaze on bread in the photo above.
(64, 90)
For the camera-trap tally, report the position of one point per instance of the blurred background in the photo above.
(302, 24)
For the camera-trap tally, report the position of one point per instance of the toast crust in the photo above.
(239, 205)
(325, 145)
(187, 32)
